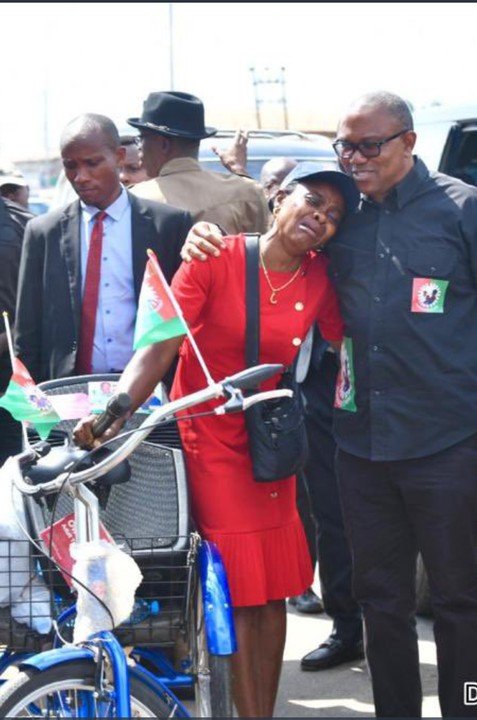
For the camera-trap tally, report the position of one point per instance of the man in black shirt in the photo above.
(405, 267)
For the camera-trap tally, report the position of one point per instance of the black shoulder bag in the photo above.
(276, 428)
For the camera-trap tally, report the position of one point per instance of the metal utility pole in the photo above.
(264, 80)
(46, 130)
(171, 46)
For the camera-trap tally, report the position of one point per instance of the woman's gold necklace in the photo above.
(275, 290)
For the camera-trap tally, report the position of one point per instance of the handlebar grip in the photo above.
(116, 408)
(252, 377)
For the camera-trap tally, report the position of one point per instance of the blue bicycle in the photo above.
(132, 672)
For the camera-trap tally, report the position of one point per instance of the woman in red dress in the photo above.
(256, 526)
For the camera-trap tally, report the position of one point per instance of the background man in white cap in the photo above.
(15, 188)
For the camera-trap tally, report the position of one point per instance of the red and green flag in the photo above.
(26, 402)
(345, 388)
(158, 315)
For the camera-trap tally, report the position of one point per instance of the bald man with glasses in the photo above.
(405, 267)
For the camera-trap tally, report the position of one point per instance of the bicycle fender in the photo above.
(218, 613)
(50, 658)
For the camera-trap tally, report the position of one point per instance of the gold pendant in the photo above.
(273, 298)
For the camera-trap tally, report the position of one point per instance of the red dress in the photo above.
(255, 525)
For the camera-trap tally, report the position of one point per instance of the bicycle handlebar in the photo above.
(246, 379)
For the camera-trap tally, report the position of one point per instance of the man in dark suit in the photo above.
(13, 219)
(77, 299)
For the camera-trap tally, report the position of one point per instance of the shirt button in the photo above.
(274, 495)
(105, 258)
(387, 212)
(381, 255)
(299, 306)
(377, 298)
(375, 348)
(106, 284)
(433, 269)
(110, 339)
(376, 392)
(108, 312)
(296, 342)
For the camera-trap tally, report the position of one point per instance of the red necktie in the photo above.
(89, 307)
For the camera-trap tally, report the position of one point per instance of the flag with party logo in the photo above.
(158, 316)
(428, 295)
(345, 387)
(26, 402)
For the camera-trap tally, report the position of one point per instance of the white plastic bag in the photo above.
(111, 575)
(20, 586)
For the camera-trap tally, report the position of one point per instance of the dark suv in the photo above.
(447, 140)
(263, 145)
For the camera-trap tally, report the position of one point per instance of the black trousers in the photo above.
(392, 510)
(318, 492)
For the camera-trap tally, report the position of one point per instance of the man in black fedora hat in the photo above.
(171, 127)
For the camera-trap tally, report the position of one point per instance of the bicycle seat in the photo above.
(63, 458)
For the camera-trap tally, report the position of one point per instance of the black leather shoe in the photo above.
(330, 653)
(308, 602)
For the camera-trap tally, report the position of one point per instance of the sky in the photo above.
(61, 59)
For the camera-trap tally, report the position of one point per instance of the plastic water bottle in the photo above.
(97, 576)
(142, 610)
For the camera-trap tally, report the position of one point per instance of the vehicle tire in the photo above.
(423, 595)
(34, 693)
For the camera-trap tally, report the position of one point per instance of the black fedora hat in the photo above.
(174, 114)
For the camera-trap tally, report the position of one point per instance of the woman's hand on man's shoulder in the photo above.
(203, 240)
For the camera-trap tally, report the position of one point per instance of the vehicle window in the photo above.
(431, 139)
(465, 166)
(38, 208)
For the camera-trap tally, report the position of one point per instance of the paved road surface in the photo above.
(344, 691)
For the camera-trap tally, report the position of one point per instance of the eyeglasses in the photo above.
(368, 148)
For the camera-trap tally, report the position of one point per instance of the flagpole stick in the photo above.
(12, 361)
(178, 310)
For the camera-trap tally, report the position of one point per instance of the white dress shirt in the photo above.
(116, 316)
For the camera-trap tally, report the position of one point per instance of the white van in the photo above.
(447, 140)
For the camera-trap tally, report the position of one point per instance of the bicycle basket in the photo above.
(161, 612)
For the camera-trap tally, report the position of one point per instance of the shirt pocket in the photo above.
(432, 261)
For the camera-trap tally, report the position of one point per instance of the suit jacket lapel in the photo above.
(141, 241)
(70, 243)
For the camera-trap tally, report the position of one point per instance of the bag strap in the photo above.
(252, 300)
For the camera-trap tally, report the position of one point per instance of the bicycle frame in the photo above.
(217, 604)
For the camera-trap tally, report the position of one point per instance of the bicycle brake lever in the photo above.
(234, 403)
(269, 395)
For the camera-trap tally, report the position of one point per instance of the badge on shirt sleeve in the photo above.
(428, 295)
(345, 388)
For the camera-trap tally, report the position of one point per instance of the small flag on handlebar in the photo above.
(25, 401)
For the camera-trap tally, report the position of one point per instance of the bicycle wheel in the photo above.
(68, 691)
(213, 688)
